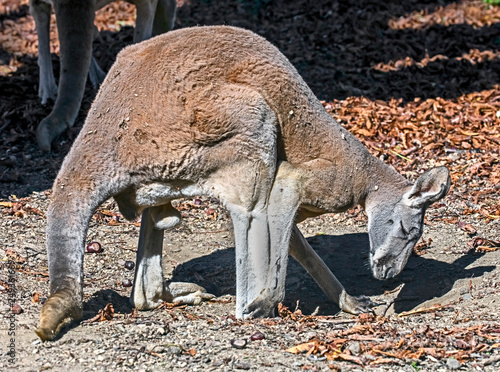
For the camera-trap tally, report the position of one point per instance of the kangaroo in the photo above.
(219, 111)
(75, 24)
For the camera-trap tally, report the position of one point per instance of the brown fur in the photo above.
(220, 111)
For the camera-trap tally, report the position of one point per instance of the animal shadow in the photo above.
(95, 303)
(347, 257)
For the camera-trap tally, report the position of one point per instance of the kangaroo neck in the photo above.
(343, 173)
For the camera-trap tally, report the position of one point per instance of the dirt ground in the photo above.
(441, 313)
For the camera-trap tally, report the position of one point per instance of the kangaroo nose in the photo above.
(388, 273)
(382, 269)
(381, 261)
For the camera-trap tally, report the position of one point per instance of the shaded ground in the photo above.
(415, 80)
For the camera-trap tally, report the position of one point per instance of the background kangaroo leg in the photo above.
(282, 206)
(76, 18)
(164, 16)
(145, 17)
(309, 259)
(96, 74)
(47, 87)
(149, 288)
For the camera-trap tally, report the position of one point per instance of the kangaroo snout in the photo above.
(386, 267)
(383, 272)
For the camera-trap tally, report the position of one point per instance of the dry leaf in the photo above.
(302, 348)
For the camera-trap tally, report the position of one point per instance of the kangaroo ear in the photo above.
(429, 188)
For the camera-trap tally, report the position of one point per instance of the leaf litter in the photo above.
(381, 341)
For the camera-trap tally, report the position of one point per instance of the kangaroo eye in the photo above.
(390, 222)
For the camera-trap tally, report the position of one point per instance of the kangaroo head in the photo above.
(395, 221)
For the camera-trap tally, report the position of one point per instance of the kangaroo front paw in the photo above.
(356, 305)
(188, 293)
(60, 308)
(47, 131)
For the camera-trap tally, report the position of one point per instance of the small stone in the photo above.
(241, 365)
(129, 265)
(239, 343)
(127, 283)
(155, 348)
(174, 350)
(16, 309)
(452, 363)
(158, 349)
(310, 335)
(466, 297)
(161, 331)
(354, 348)
(257, 336)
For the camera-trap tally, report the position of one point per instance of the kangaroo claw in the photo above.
(262, 307)
(356, 304)
(47, 131)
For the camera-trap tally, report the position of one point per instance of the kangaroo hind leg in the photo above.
(149, 289)
(282, 206)
(47, 88)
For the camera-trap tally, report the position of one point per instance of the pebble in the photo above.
(241, 365)
(354, 348)
(156, 348)
(17, 309)
(257, 336)
(239, 343)
(310, 335)
(452, 363)
(174, 350)
(161, 331)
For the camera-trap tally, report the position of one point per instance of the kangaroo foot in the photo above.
(188, 293)
(356, 305)
(47, 131)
